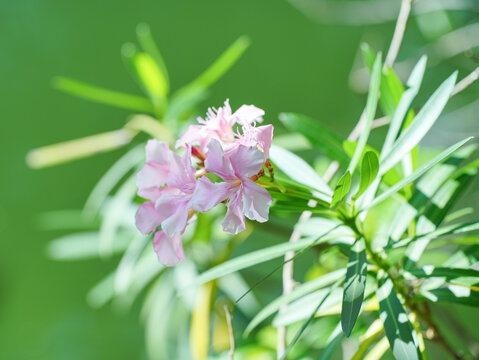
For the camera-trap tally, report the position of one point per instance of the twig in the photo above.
(398, 33)
(231, 333)
(464, 83)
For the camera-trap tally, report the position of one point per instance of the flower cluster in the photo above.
(179, 187)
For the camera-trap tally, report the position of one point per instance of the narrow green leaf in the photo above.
(151, 75)
(350, 147)
(307, 322)
(333, 343)
(148, 45)
(147, 74)
(318, 135)
(161, 315)
(433, 215)
(442, 231)
(426, 189)
(423, 121)
(396, 323)
(300, 171)
(418, 173)
(81, 246)
(152, 127)
(301, 309)
(113, 219)
(292, 141)
(368, 55)
(378, 350)
(146, 269)
(369, 171)
(284, 207)
(288, 183)
(67, 151)
(126, 267)
(413, 83)
(390, 88)
(455, 294)
(183, 104)
(435, 194)
(389, 179)
(370, 111)
(263, 255)
(341, 189)
(112, 177)
(449, 273)
(354, 286)
(297, 293)
(102, 292)
(465, 240)
(220, 66)
(315, 226)
(185, 99)
(102, 95)
(234, 286)
(458, 214)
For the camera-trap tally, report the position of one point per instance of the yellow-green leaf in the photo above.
(341, 189)
(369, 171)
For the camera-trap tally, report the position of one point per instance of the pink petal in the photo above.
(234, 221)
(157, 151)
(152, 175)
(194, 135)
(223, 123)
(182, 173)
(207, 194)
(227, 108)
(150, 193)
(168, 249)
(147, 218)
(246, 161)
(248, 114)
(217, 163)
(174, 212)
(264, 137)
(256, 201)
(186, 158)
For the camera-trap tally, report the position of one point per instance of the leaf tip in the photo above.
(346, 328)
(143, 29)
(244, 41)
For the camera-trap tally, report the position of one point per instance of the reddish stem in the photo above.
(197, 153)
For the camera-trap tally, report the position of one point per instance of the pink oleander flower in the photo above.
(169, 205)
(219, 124)
(175, 190)
(246, 198)
(169, 182)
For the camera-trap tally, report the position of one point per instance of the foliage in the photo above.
(374, 276)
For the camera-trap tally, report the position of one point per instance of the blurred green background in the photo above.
(294, 64)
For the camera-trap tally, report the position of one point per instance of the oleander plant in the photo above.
(374, 232)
